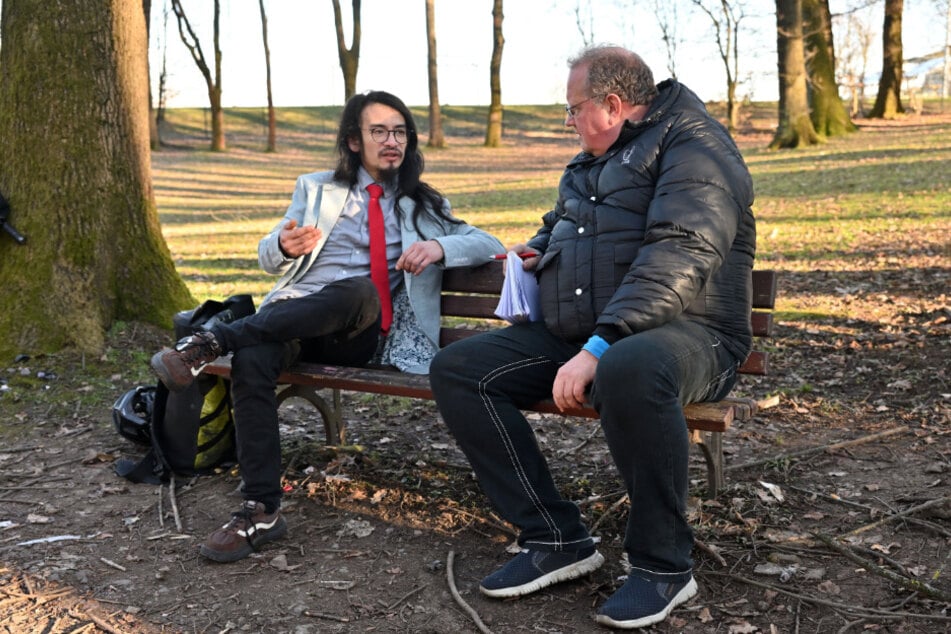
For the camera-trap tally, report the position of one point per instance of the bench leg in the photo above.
(330, 413)
(711, 444)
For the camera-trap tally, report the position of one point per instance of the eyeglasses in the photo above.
(381, 134)
(572, 111)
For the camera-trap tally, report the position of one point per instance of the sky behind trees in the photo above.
(540, 35)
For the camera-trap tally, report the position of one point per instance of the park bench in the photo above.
(469, 299)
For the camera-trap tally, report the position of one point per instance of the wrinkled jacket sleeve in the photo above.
(702, 190)
(465, 245)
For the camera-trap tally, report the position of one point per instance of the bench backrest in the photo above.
(469, 298)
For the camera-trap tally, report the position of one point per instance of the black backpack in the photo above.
(189, 432)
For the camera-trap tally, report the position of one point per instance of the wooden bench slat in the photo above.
(764, 289)
(473, 306)
(702, 416)
(762, 323)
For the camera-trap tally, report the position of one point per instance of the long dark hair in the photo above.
(427, 198)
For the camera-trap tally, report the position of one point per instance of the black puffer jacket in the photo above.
(657, 228)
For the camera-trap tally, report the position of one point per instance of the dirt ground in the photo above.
(836, 516)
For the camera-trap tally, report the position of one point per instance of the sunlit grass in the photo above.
(860, 203)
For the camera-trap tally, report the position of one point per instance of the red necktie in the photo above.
(379, 268)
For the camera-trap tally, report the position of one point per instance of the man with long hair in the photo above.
(325, 307)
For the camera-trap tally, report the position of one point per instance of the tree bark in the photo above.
(349, 58)
(271, 116)
(74, 121)
(436, 137)
(795, 127)
(493, 131)
(154, 141)
(888, 102)
(829, 115)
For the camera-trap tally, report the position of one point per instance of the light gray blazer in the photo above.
(318, 200)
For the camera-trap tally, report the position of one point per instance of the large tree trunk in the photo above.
(271, 116)
(829, 115)
(436, 137)
(493, 131)
(795, 127)
(74, 134)
(349, 58)
(888, 101)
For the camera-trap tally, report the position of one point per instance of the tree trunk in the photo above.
(888, 102)
(795, 127)
(829, 115)
(213, 84)
(436, 137)
(726, 29)
(493, 131)
(74, 117)
(271, 117)
(349, 58)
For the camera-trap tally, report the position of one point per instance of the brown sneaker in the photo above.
(249, 529)
(177, 367)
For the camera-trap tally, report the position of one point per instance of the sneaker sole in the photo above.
(159, 368)
(226, 557)
(686, 593)
(567, 573)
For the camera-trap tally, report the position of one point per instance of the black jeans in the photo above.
(640, 387)
(340, 324)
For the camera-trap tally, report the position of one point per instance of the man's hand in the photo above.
(572, 380)
(528, 264)
(297, 241)
(420, 255)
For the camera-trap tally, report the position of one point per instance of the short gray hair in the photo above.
(616, 70)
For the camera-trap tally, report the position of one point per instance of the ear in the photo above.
(615, 106)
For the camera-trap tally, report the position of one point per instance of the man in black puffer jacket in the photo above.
(644, 269)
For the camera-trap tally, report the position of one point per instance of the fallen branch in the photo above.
(710, 551)
(894, 577)
(621, 500)
(462, 602)
(814, 450)
(329, 617)
(174, 503)
(100, 622)
(112, 564)
(585, 441)
(894, 516)
(406, 596)
(869, 613)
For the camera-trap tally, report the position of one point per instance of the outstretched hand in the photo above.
(297, 241)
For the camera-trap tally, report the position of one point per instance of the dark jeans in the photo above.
(641, 384)
(340, 324)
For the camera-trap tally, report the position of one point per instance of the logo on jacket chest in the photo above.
(626, 156)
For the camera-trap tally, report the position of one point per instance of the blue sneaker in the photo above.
(532, 570)
(640, 602)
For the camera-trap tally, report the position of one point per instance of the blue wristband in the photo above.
(596, 346)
